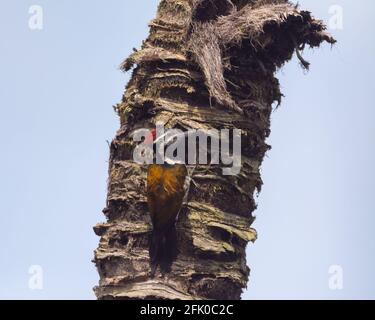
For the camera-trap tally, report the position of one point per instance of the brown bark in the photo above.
(206, 64)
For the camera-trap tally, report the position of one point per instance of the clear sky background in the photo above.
(57, 88)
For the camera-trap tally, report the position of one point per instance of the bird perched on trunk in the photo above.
(166, 189)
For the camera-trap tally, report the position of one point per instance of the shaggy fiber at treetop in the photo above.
(210, 41)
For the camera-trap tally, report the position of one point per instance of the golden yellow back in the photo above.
(165, 193)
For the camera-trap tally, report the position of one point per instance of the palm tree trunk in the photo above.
(206, 64)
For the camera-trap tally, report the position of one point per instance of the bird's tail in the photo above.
(163, 249)
(155, 249)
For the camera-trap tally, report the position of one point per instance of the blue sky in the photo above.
(57, 89)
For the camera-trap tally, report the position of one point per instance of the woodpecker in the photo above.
(166, 189)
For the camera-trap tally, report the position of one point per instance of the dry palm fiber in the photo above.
(208, 55)
(209, 40)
